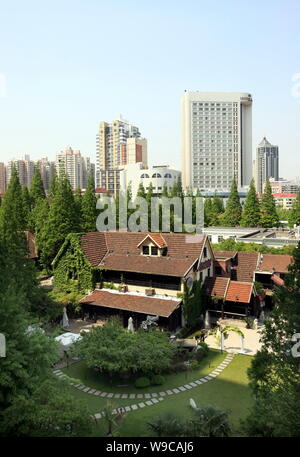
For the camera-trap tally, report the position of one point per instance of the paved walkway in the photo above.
(150, 398)
(232, 344)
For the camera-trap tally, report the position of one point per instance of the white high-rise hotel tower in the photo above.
(216, 140)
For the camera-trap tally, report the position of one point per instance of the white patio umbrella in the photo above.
(65, 320)
(130, 325)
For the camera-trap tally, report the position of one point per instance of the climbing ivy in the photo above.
(71, 267)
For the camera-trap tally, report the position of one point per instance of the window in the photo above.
(145, 250)
(144, 175)
(156, 175)
(208, 272)
(168, 175)
(154, 250)
(205, 252)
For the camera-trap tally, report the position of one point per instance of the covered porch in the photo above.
(104, 303)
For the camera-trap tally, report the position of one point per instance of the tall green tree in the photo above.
(37, 190)
(141, 191)
(269, 216)
(63, 219)
(233, 210)
(294, 213)
(207, 211)
(88, 207)
(12, 216)
(26, 201)
(251, 210)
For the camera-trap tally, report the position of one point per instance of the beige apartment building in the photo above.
(25, 169)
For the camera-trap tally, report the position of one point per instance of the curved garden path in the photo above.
(150, 398)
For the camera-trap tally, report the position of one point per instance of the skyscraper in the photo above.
(117, 144)
(47, 170)
(266, 164)
(216, 140)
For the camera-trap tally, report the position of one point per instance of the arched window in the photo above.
(156, 175)
(168, 175)
(144, 175)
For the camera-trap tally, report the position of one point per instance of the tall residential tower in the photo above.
(216, 140)
(118, 144)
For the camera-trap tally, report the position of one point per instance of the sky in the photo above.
(67, 65)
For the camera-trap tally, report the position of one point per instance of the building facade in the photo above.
(47, 172)
(117, 143)
(216, 140)
(158, 176)
(266, 164)
(25, 169)
(74, 166)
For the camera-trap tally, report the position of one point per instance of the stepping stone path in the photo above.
(154, 397)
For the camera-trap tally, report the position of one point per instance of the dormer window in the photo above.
(154, 250)
(145, 250)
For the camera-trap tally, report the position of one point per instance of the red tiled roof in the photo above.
(156, 238)
(132, 302)
(120, 251)
(285, 195)
(239, 292)
(277, 280)
(275, 263)
(217, 287)
(245, 267)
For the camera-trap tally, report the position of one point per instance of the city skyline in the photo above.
(63, 91)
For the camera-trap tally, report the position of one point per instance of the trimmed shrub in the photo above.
(194, 365)
(142, 382)
(157, 380)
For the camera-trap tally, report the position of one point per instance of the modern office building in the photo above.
(266, 164)
(73, 165)
(216, 140)
(137, 173)
(2, 178)
(118, 143)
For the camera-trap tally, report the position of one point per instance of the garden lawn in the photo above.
(228, 391)
(95, 380)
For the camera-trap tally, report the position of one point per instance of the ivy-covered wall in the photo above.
(72, 267)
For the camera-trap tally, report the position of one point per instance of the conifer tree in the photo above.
(233, 210)
(207, 211)
(269, 216)
(63, 219)
(37, 190)
(251, 210)
(88, 207)
(26, 201)
(141, 191)
(12, 217)
(294, 212)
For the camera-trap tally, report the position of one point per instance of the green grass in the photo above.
(90, 378)
(229, 391)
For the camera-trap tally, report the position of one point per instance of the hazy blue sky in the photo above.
(69, 64)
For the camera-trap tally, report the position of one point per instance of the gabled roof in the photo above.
(222, 255)
(275, 263)
(216, 287)
(119, 251)
(156, 238)
(239, 292)
(133, 302)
